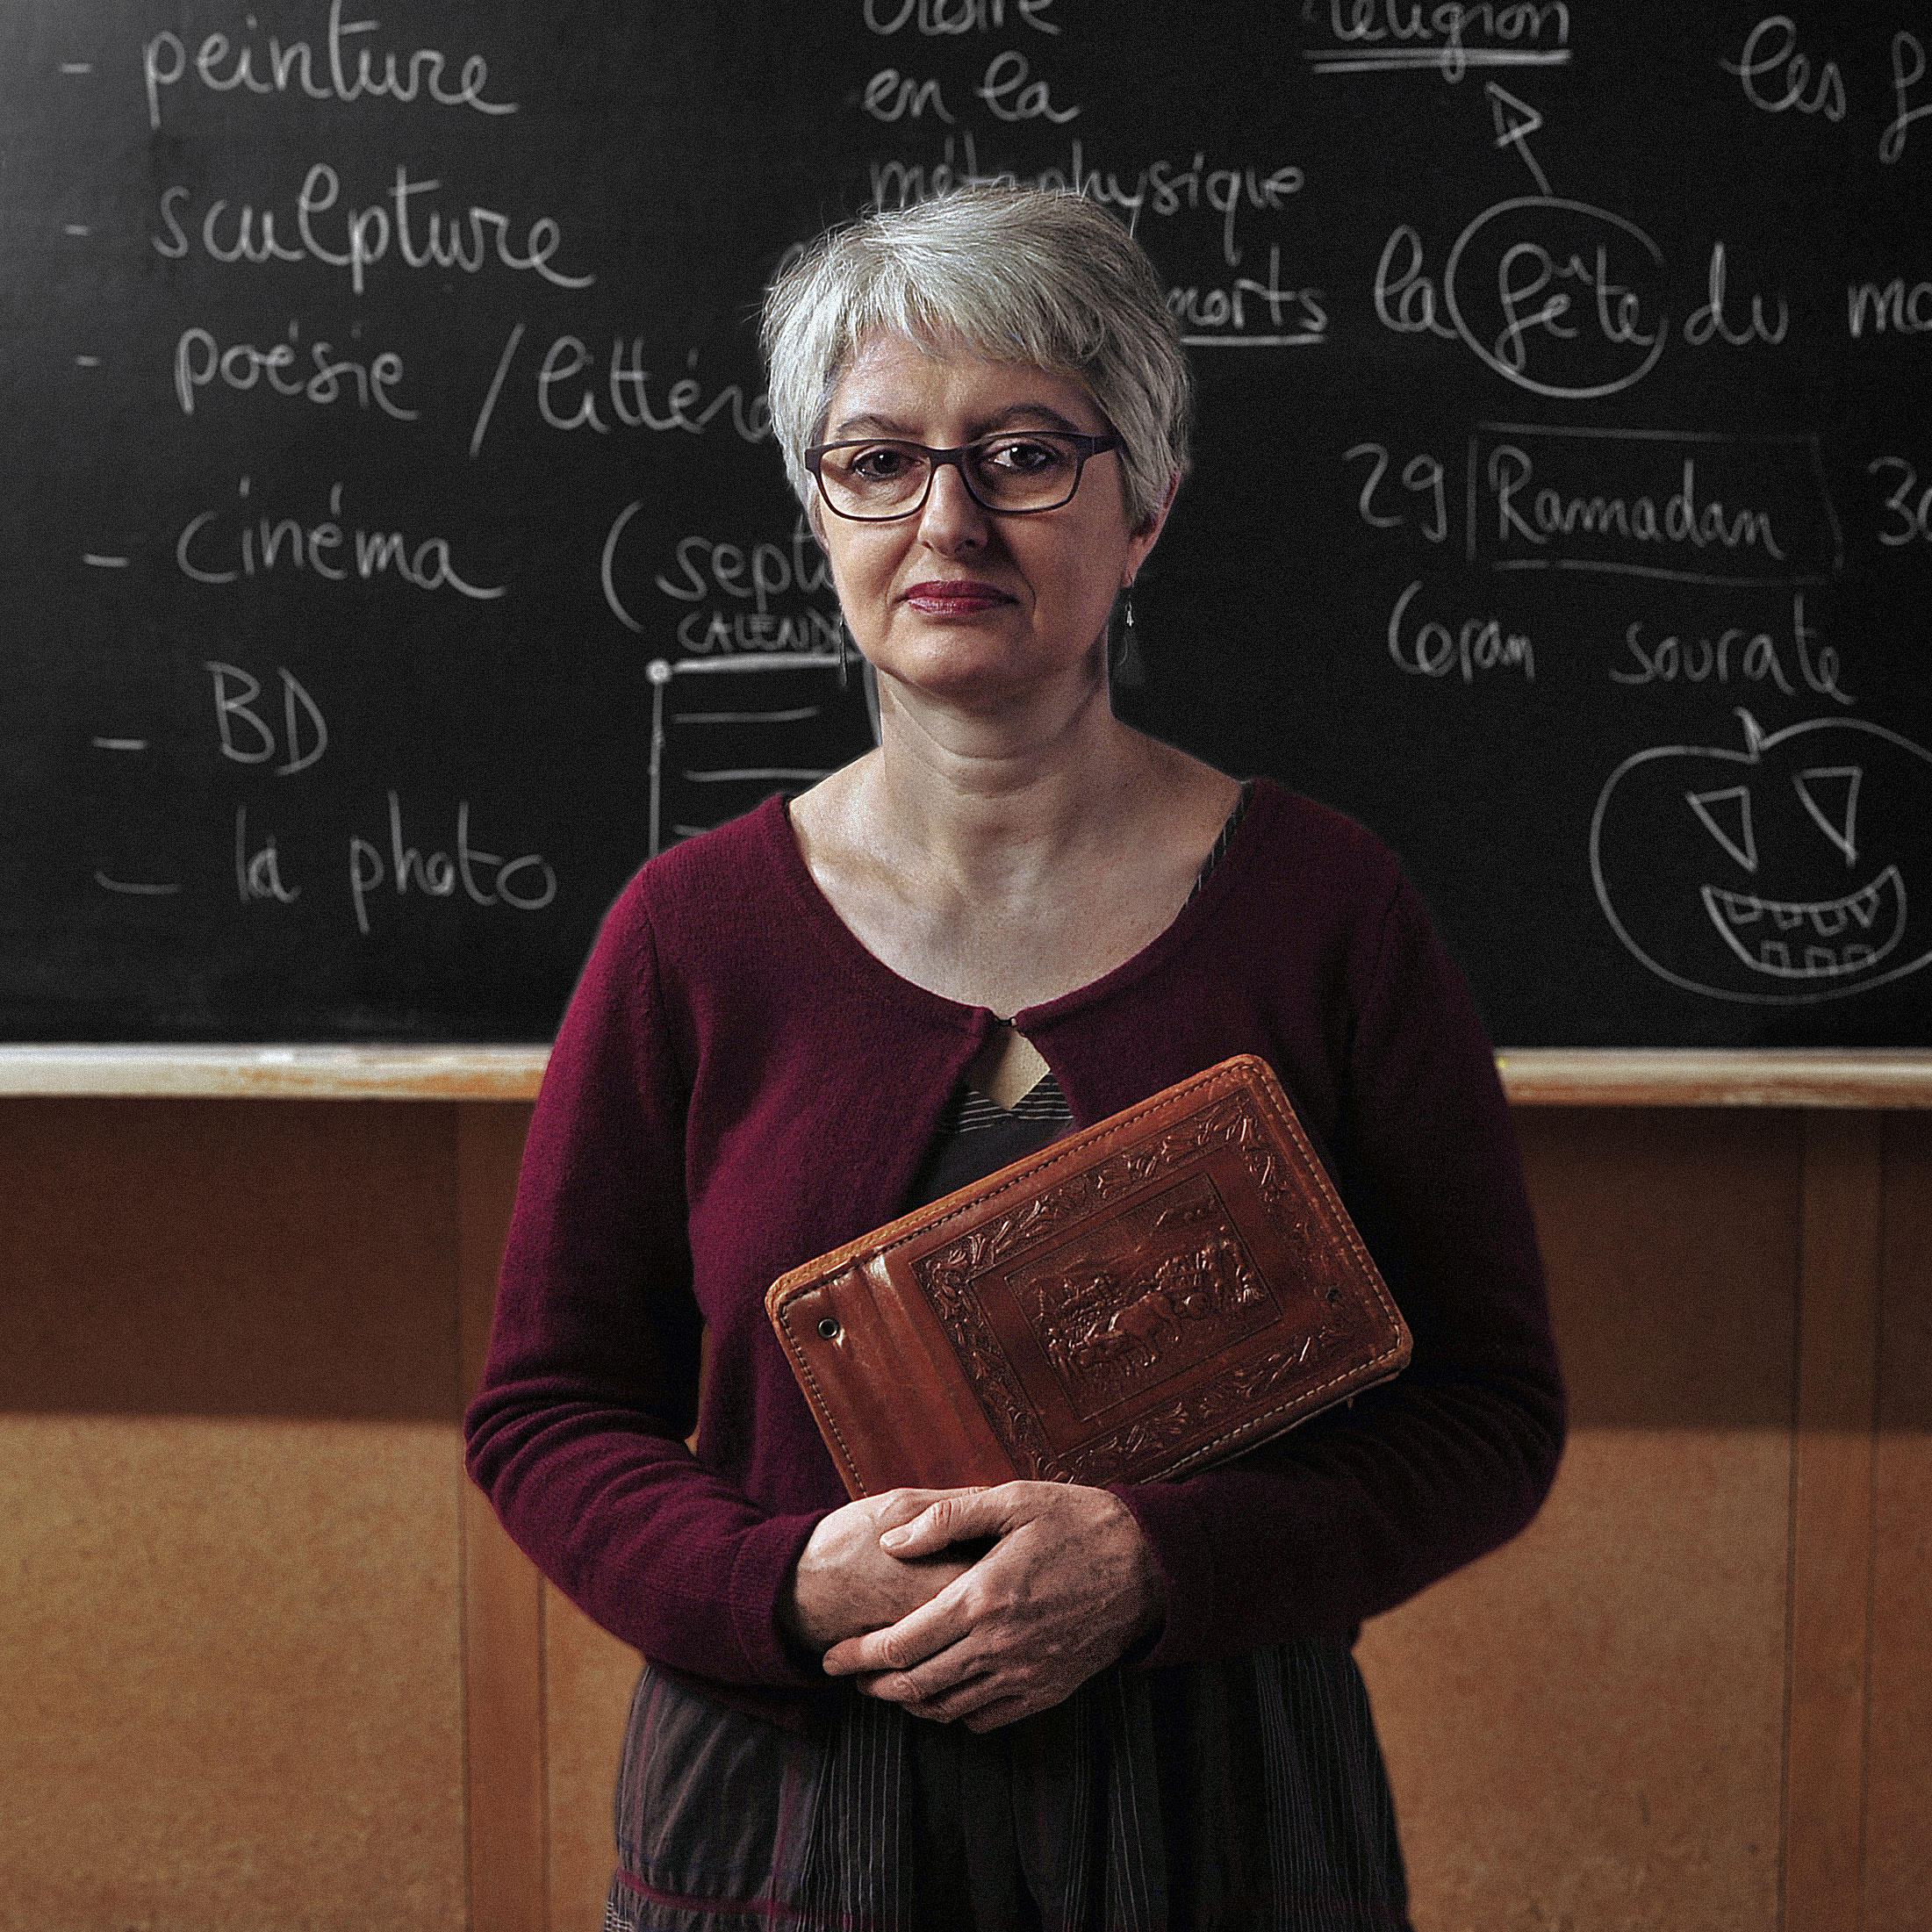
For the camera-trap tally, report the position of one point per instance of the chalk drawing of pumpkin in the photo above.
(1792, 871)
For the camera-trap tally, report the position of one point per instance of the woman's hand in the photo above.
(1068, 1587)
(846, 1584)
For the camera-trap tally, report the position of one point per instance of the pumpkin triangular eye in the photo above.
(1726, 816)
(1829, 793)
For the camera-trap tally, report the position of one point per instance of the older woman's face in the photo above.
(955, 600)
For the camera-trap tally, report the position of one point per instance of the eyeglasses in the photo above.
(1016, 473)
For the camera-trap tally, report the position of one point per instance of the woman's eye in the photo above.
(879, 464)
(1022, 458)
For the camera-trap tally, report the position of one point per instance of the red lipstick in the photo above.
(954, 597)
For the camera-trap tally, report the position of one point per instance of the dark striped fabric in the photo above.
(1247, 1796)
(1229, 826)
(977, 1136)
(973, 1112)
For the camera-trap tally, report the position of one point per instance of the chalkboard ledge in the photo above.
(1870, 1077)
(1532, 1076)
(273, 1073)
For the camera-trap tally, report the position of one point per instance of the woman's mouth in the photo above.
(954, 597)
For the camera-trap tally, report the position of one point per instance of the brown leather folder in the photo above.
(1144, 1297)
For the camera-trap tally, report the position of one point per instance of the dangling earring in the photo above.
(1130, 668)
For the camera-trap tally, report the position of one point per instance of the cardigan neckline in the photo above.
(774, 822)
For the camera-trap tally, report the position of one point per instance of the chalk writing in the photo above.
(1777, 78)
(1697, 508)
(1422, 476)
(200, 360)
(759, 574)
(340, 73)
(764, 572)
(683, 403)
(247, 738)
(1432, 648)
(1395, 36)
(258, 868)
(1560, 297)
(949, 16)
(1907, 70)
(1910, 504)
(818, 628)
(214, 548)
(890, 96)
(1011, 95)
(1751, 657)
(1164, 188)
(375, 235)
(1713, 323)
(525, 884)
(1535, 514)
(361, 238)
(1404, 295)
(1894, 307)
(1214, 316)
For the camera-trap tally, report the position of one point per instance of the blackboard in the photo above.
(396, 554)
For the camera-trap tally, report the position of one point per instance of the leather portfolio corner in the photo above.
(1145, 1296)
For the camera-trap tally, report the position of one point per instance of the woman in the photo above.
(1036, 1704)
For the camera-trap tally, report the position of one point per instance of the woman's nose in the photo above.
(952, 518)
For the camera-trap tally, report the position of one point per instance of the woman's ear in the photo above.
(1147, 533)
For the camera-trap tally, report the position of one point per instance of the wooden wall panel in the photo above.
(1897, 1850)
(1584, 1730)
(262, 1641)
(229, 1590)
(502, 1594)
(1831, 1551)
(590, 1675)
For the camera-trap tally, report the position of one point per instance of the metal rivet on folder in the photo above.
(828, 1327)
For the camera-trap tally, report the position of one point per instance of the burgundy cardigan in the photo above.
(739, 1085)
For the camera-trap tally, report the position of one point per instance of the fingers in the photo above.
(844, 1582)
(982, 1702)
(1067, 1587)
(895, 1507)
(952, 1516)
(934, 1626)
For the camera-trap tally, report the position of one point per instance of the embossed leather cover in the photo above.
(1149, 1295)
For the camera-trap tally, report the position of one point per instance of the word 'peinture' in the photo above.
(292, 67)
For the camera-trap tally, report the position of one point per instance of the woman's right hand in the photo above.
(845, 1585)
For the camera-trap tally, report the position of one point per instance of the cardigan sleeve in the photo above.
(576, 1431)
(1365, 1504)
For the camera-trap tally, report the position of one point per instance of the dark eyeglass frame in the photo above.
(1085, 449)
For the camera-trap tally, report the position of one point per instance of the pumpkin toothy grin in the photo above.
(1811, 939)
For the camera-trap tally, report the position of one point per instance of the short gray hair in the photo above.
(1020, 275)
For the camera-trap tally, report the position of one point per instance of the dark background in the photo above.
(680, 151)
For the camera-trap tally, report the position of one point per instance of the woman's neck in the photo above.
(992, 801)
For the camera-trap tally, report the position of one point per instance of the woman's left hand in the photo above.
(1068, 1587)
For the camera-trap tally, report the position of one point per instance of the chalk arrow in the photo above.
(1515, 122)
